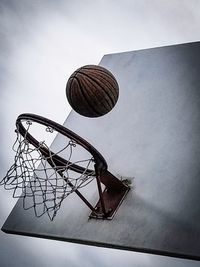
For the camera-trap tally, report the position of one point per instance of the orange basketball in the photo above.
(92, 91)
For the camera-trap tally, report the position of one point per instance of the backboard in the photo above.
(151, 137)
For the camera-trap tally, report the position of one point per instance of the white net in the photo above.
(39, 180)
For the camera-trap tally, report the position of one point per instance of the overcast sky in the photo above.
(41, 44)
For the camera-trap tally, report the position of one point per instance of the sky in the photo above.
(41, 44)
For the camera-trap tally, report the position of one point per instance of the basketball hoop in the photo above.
(45, 177)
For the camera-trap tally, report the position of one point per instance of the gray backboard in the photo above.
(152, 136)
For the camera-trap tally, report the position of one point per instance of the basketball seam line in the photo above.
(68, 92)
(103, 72)
(85, 97)
(105, 104)
(102, 88)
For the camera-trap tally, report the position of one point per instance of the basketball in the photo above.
(92, 91)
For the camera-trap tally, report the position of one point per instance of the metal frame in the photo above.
(115, 190)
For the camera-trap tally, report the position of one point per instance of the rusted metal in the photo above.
(112, 200)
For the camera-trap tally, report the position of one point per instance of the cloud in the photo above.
(41, 44)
